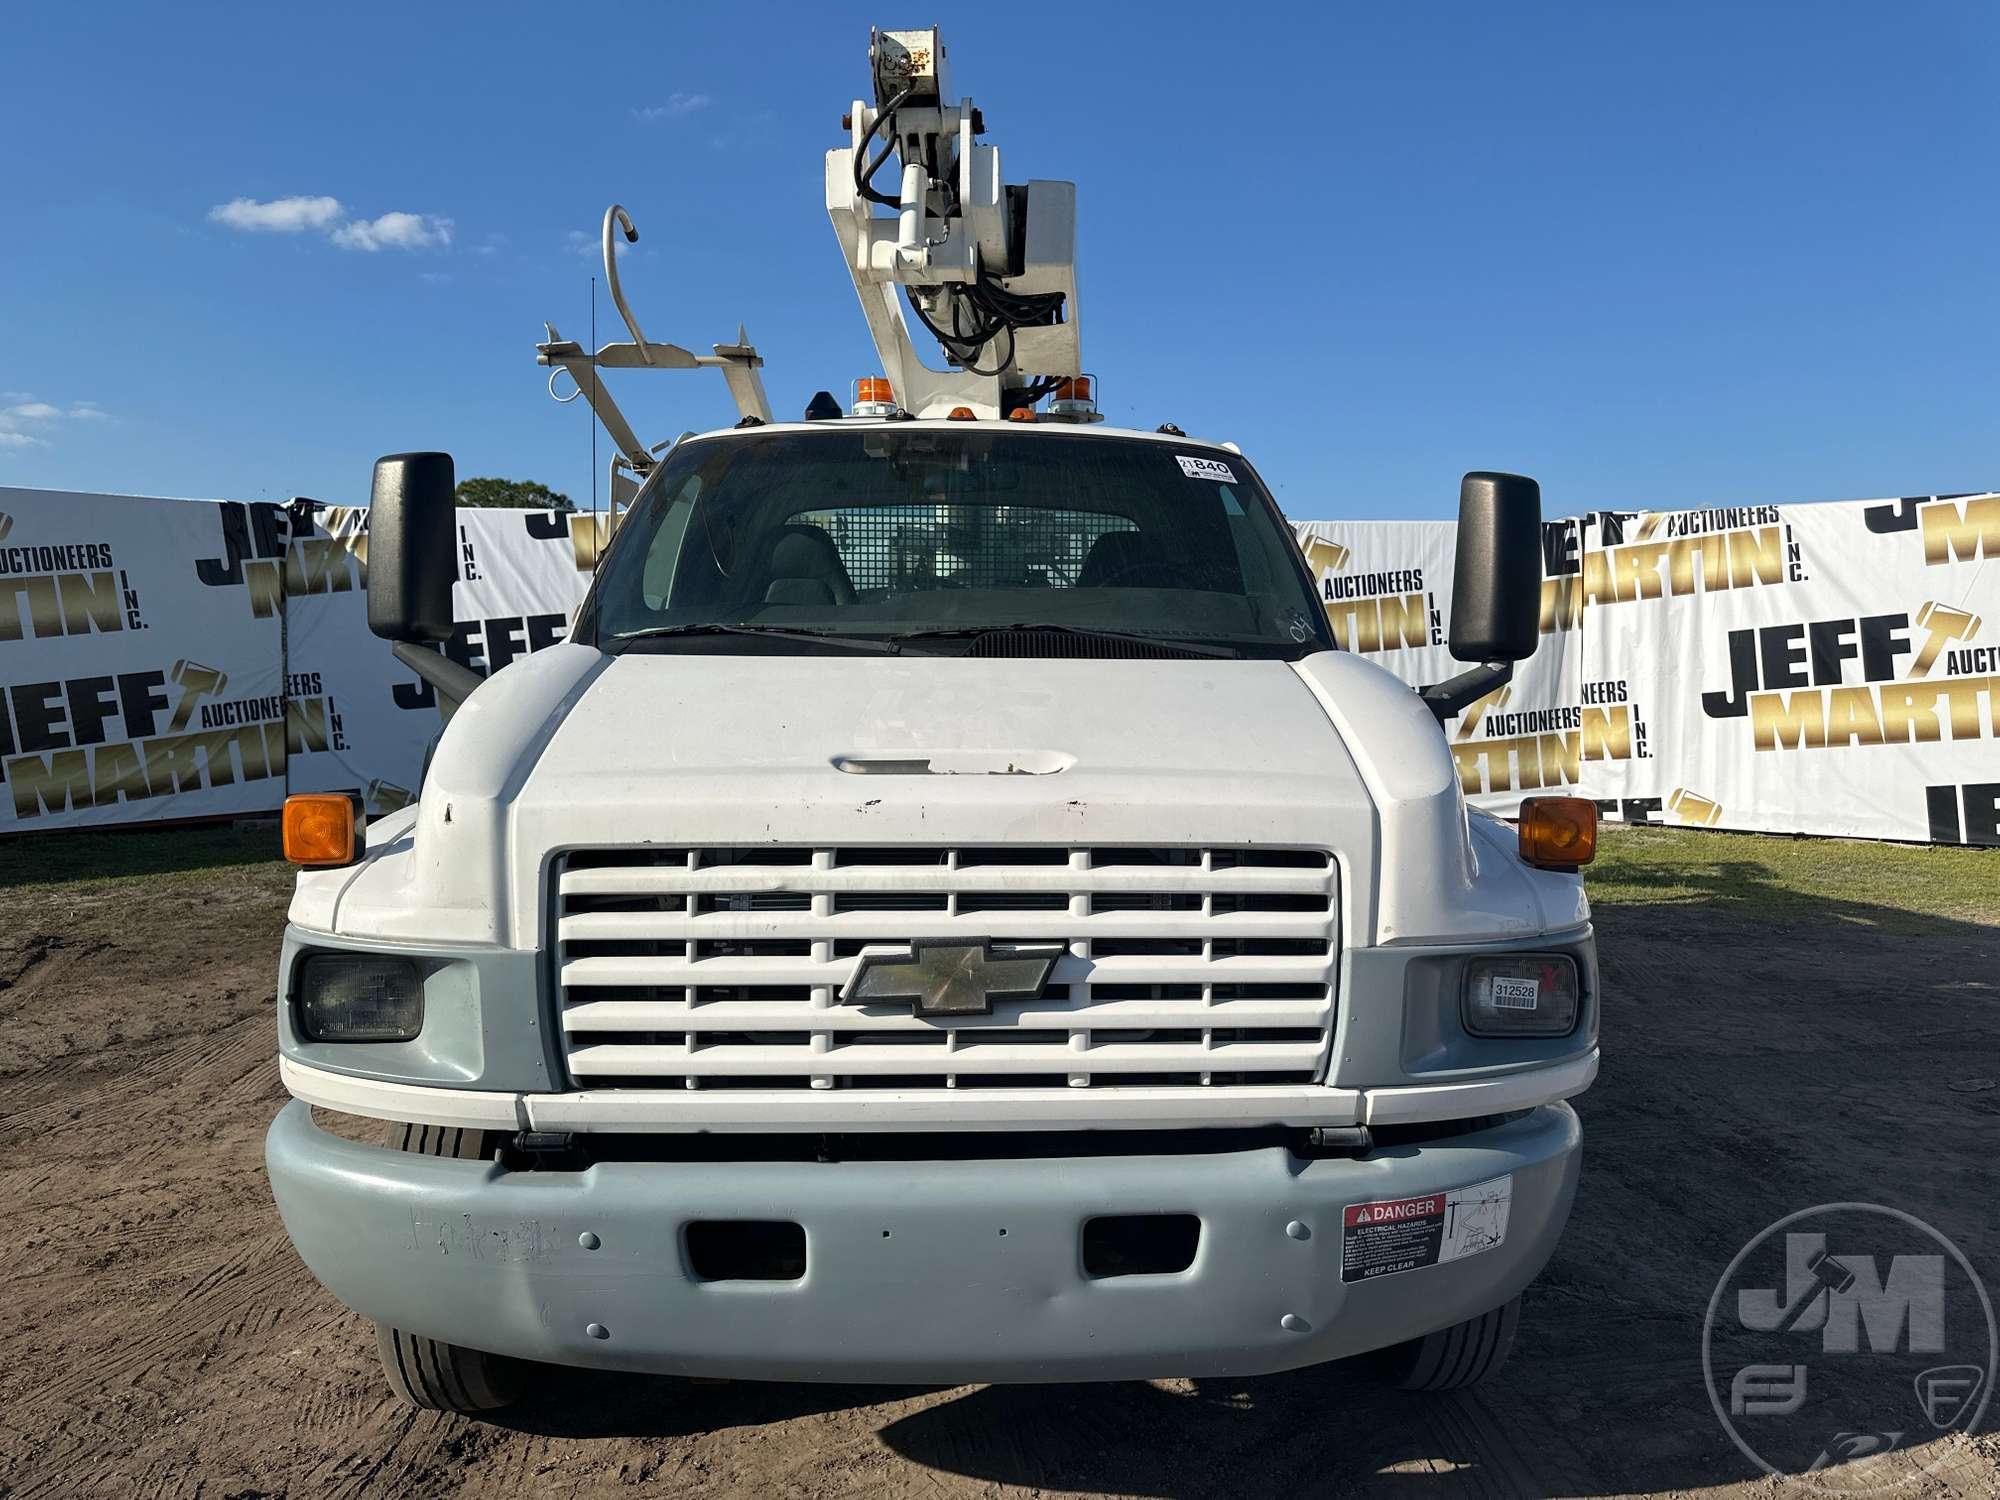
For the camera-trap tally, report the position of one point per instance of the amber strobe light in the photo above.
(873, 397)
(322, 828)
(1558, 833)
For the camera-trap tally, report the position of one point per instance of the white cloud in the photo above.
(279, 216)
(328, 216)
(395, 231)
(591, 246)
(22, 424)
(677, 104)
(436, 278)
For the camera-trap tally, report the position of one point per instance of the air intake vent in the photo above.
(1061, 644)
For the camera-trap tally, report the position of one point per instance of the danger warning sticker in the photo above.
(1401, 1234)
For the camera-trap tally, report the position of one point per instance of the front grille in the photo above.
(722, 967)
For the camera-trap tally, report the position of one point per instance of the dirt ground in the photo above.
(161, 1338)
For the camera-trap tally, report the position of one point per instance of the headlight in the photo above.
(360, 997)
(1522, 994)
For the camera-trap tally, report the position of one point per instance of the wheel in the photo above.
(1454, 1356)
(430, 1373)
(437, 1376)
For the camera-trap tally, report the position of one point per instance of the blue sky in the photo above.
(1654, 255)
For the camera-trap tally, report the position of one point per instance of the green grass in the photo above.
(139, 855)
(1762, 875)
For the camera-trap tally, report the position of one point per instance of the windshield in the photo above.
(924, 537)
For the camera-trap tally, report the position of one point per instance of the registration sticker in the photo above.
(1401, 1234)
(1206, 468)
(1515, 994)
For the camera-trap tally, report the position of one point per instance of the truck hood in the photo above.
(574, 749)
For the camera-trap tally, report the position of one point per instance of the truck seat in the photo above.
(806, 568)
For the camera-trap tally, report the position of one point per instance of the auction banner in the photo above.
(1817, 668)
(1797, 669)
(173, 659)
(1812, 669)
(134, 684)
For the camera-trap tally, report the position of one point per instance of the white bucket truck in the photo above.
(949, 911)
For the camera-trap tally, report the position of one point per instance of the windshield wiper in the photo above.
(769, 632)
(1080, 631)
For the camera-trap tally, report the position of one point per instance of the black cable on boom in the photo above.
(864, 178)
(977, 313)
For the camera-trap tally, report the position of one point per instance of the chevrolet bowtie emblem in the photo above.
(941, 977)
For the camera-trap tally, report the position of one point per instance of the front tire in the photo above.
(436, 1376)
(1452, 1357)
(429, 1373)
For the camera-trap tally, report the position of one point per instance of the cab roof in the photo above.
(944, 424)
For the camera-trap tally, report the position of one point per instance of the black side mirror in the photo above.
(412, 552)
(412, 564)
(1496, 587)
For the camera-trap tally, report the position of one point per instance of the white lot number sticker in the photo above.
(1206, 468)
(1515, 994)
(1401, 1234)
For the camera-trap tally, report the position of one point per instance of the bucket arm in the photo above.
(987, 269)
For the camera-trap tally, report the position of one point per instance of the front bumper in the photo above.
(909, 1275)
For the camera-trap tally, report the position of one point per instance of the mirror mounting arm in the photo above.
(1446, 698)
(453, 683)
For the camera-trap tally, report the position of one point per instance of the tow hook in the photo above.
(1339, 1140)
(559, 1149)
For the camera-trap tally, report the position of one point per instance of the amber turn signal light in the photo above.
(1558, 833)
(322, 829)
